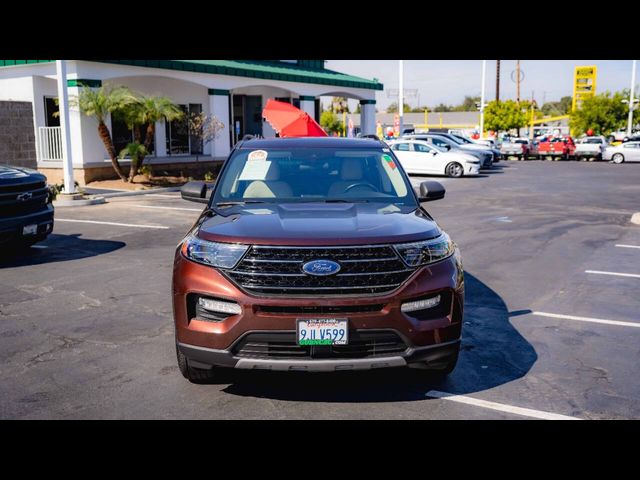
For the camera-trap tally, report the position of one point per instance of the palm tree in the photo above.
(135, 151)
(154, 109)
(99, 103)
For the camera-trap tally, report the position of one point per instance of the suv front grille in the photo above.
(283, 345)
(278, 270)
(17, 200)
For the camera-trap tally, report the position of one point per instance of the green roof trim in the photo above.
(367, 102)
(308, 98)
(13, 63)
(84, 82)
(218, 91)
(286, 72)
(257, 69)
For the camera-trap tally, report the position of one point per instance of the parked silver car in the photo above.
(627, 152)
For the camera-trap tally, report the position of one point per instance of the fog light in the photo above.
(420, 304)
(218, 306)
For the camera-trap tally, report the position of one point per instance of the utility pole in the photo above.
(631, 100)
(484, 71)
(401, 94)
(497, 80)
(518, 81)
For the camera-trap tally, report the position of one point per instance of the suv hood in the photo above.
(318, 224)
(17, 175)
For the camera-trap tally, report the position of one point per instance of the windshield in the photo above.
(297, 175)
(462, 139)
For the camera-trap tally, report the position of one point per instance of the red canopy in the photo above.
(290, 121)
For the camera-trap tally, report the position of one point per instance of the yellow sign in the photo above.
(584, 84)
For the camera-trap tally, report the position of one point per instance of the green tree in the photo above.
(442, 107)
(98, 104)
(501, 116)
(135, 151)
(339, 105)
(557, 108)
(330, 122)
(393, 107)
(142, 114)
(602, 113)
(469, 104)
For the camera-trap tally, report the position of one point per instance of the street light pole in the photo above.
(633, 84)
(401, 94)
(484, 71)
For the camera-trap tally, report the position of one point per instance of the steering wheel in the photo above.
(361, 184)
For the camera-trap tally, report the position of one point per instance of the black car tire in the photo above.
(194, 375)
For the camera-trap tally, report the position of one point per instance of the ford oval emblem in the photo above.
(321, 267)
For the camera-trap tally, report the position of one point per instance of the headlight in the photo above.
(429, 251)
(475, 162)
(223, 255)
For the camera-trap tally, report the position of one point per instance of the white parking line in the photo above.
(170, 208)
(617, 274)
(501, 407)
(587, 319)
(628, 246)
(111, 223)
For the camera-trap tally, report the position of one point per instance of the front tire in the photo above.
(454, 170)
(617, 158)
(194, 375)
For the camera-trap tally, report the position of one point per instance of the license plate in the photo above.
(322, 331)
(30, 229)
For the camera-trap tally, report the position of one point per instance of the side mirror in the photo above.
(196, 192)
(430, 191)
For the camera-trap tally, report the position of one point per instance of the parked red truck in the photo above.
(556, 148)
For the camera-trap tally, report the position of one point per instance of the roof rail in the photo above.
(247, 136)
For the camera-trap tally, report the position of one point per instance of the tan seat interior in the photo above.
(270, 187)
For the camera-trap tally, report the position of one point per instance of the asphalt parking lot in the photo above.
(552, 314)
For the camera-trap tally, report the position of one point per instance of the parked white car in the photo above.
(418, 156)
(627, 152)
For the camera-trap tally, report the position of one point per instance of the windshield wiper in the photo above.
(242, 202)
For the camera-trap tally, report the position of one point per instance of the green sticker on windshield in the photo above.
(389, 161)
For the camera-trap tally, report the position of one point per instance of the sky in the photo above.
(448, 81)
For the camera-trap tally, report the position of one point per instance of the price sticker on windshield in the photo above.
(258, 156)
(389, 161)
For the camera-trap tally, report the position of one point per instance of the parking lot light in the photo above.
(482, 105)
(631, 100)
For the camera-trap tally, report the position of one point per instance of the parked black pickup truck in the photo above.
(26, 212)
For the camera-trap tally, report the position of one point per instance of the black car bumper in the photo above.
(11, 228)
(433, 355)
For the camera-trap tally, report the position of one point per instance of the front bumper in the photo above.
(11, 227)
(433, 355)
(212, 342)
(472, 170)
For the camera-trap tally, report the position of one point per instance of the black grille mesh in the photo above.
(278, 271)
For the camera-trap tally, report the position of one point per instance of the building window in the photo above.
(122, 135)
(180, 141)
(50, 108)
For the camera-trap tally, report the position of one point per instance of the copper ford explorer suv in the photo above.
(315, 254)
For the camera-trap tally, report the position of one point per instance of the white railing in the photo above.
(49, 143)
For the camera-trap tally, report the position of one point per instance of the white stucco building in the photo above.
(235, 91)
